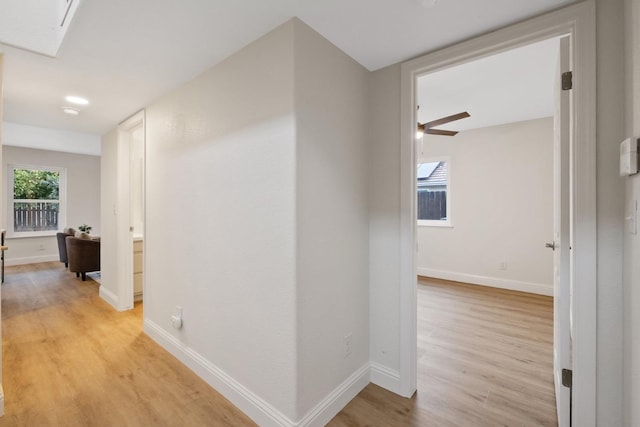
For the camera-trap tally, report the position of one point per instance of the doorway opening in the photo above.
(130, 211)
(576, 21)
(485, 209)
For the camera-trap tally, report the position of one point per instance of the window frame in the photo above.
(434, 222)
(62, 200)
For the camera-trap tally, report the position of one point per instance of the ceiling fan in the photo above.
(428, 127)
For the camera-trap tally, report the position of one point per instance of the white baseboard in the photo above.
(495, 282)
(31, 260)
(108, 296)
(248, 402)
(333, 403)
(386, 378)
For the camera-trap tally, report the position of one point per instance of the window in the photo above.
(434, 192)
(36, 200)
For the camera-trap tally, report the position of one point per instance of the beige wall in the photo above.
(610, 209)
(260, 186)
(221, 192)
(332, 216)
(384, 224)
(632, 241)
(502, 208)
(108, 198)
(83, 199)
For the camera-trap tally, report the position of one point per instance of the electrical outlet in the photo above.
(502, 265)
(348, 345)
(176, 318)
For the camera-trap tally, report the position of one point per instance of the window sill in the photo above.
(438, 224)
(31, 234)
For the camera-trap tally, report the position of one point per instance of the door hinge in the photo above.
(567, 378)
(567, 80)
(567, 381)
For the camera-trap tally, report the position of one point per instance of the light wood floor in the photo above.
(71, 360)
(485, 358)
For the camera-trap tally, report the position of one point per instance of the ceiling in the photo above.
(123, 54)
(512, 86)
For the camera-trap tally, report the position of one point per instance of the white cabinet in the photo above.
(137, 269)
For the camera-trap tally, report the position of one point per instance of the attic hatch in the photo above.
(35, 25)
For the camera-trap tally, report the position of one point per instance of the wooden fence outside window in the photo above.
(432, 205)
(35, 216)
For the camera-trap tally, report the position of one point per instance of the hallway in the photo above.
(69, 359)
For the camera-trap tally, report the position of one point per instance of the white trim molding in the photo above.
(494, 282)
(248, 402)
(108, 296)
(385, 377)
(335, 401)
(578, 22)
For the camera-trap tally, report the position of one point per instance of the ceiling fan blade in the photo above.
(447, 119)
(441, 132)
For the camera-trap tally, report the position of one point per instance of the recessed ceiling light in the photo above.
(77, 100)
(71, 111)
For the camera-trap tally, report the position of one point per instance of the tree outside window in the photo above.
(36, 203)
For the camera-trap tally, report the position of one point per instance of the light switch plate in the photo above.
(628, 157)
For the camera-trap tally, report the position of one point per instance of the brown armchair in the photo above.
(83, 255)
(62, 246)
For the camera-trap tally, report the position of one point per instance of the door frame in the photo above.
(124, 237)
(578, 22)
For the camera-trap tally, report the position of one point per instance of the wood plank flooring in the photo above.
(485, 358)
(69, 359)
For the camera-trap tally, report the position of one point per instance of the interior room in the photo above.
(500, 168)
(485, 204)
(250, 171)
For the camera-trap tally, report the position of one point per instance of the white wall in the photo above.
(257, 226)
(502, 207)
(83, 199)
(385, 292)
(332, 217)
(384, 225)
(220, 225)
(108, 223)
(632, 241)
(50, 139)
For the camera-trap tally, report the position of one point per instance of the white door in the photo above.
(561, 238)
